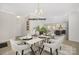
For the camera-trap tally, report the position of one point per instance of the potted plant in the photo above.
(41, 30)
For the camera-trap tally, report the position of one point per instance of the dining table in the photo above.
(31, 41)
(45, 37)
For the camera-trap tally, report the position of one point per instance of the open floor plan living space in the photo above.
(39, 28)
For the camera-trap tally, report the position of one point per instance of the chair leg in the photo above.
(56, 51)
(51, 51)
(22, 52)
(16, 52)
(42, 50)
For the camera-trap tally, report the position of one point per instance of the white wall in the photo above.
(74, 26)
(9, 26)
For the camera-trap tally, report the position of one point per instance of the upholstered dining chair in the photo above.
(54, 45)
(18, 47)
(59, 38)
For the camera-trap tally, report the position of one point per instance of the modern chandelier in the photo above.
(38, 14)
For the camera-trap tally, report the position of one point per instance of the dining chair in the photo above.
(54, 45)
(60, 38)
(19, 47)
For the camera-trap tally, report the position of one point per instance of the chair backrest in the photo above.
(13, 44)
(57, 43)
(54, 45)
(61, 39)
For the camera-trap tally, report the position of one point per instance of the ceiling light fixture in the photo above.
(38, 14)
(18, 16)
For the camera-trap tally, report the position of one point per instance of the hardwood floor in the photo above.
(73, 44)
(3, 51)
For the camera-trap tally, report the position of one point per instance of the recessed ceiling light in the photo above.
(18, 16)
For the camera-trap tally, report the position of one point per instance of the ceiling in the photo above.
(49, 9)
